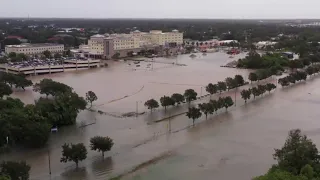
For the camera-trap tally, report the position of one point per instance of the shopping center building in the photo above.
(32, 49)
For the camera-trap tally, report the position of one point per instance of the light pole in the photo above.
(235, 97)
(137, 107)
(49, 162)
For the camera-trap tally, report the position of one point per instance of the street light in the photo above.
(137, 106)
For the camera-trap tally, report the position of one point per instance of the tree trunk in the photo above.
(206, 116)
(102, 154)
(193, 121)
(245, 101)
(77, 165)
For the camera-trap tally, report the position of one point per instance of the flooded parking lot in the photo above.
(237, 144)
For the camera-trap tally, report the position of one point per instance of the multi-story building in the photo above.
(107, 45)
(32, 49)
(168, 38)
(96, 44)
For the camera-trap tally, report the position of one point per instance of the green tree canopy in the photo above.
(212, 88)
(190, 95)
(5, 90)
(50, 87)
(206, 108)
(47, 54)
(151, 104)
(253, 77)
(231, 83)
(222, 86)
(245, 94)
(74, 152)
(194, 113)
(239, 81)
(90, 97)
(15, 170)
(102, 144)
(178, 98)
(297, 151)
(166, 101)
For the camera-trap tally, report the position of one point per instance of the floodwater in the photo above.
(237, 144)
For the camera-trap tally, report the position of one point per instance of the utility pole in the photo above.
(235, 97)
(201, 92)
(49, 162)
(170, 123)
(152, 64)
(136, 108)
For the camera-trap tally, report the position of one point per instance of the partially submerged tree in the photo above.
(228, 102)
(206, 108)
(178, 98)
(102, 144)
(231, 83)
(166, 101)
(50, 87)
(90, 97)
(270, 87)
(253, 77)
(222, 86)
(194, 113)
(239, 81)
(255, 92)
(212, 88)
(190, 95)
(151, 104)
(73, 152)
(246, 94)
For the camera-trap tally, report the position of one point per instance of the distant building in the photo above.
(31, 49)
(289, 55)
(22, 40)
(109, 44)
(264, 44)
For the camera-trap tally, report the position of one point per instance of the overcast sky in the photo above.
(213, 9)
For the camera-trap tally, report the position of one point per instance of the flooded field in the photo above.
(234, 144)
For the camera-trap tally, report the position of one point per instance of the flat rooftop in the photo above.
(34, 45)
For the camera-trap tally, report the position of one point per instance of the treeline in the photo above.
(298, 159)
(299, 75)
(8, 80)
(256, 61)
(215, 105)
(190, 95)
(29, 125)
(226, 102)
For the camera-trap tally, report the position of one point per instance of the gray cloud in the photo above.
(161, 8)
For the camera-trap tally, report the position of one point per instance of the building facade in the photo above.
(32, 49)
(108, 45)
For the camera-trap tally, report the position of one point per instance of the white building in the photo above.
(32, 49)
(134, 41)
(96, 44)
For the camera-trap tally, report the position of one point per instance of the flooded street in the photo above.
(234, 144)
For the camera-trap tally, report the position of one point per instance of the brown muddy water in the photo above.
(237, 144)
